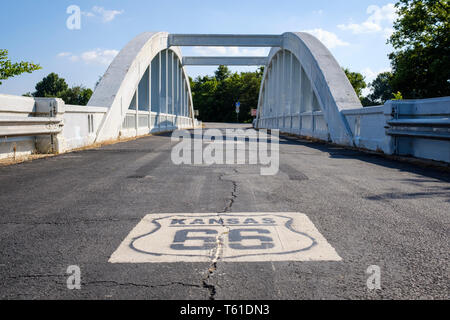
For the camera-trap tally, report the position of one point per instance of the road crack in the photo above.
(106, 282)
(36, 276)
(63, 223)
(141, 285)
(216, 255)
(234, 193)
(217, 252)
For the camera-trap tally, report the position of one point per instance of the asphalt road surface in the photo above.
(77, 209)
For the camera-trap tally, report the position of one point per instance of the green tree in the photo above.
(249, 93)
(215, 97)
(203, 89)
(77, 95)
(421, 60)
(367, 102)
(9, 69)
(357, 80)
(225, 97)
(222, 73)
(52, 86)
(381, 88)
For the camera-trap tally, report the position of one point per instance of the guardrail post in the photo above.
(52, 108)
(390, 112)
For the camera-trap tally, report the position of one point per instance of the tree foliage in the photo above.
(215, 97)
(421, 61)
(77, 95)
(9, 69)
(52, 86)
(357, 80)
(381, 89)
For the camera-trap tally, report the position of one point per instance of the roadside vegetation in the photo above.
(8, 69)
(215, 96)
(52, 86)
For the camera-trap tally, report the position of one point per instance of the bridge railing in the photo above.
(81, 124)
(419, 128)
(35, 126)
(19, 117)
(368, 128)
(48, 125)
(152, 122)
(24, 123)
(311, 124)
(45, 125)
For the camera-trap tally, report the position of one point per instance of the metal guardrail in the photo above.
(435, 128)
(29, 126)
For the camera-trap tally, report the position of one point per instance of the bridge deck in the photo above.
(77, 208)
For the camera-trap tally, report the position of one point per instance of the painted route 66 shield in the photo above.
(232, 237)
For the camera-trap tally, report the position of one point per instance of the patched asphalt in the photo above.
(77, 208)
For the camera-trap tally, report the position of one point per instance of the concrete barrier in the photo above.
(420, 128)
(417, 128)
(368, 128)
(48, 125)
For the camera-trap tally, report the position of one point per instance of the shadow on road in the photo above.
(336, 152)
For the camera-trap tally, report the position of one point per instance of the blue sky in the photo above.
(35, 30)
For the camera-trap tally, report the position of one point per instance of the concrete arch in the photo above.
(118, 86)
(328, 82)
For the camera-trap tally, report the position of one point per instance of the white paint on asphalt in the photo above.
(243, 237)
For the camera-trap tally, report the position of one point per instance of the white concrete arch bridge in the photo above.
(301, 76)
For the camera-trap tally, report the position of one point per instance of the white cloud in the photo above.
(329, 39)
(380, 20)
(97, 56)
(104, 14)
(68, 55)
(230, 51)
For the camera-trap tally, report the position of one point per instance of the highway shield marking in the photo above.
(233, 237)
